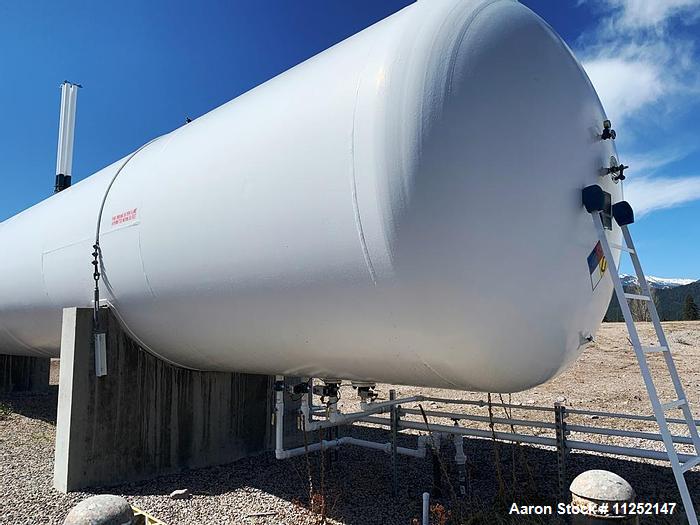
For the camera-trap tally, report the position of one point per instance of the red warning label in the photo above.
(123, 217)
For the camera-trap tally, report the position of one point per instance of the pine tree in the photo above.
(690, 310)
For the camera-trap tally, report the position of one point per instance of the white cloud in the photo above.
(647, 194)
(644, 69)
(648, 161)
(624, 85)
(638, 14)
(635, 62)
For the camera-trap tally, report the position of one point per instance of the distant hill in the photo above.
(654, 282)
(669, 297)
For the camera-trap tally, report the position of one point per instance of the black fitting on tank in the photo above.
(62, 182)
(366, 392)
(327, 390)
(593, 198)
(617, 172)
(623, 213)
(279, 386)
(301, 388)
(608, 132)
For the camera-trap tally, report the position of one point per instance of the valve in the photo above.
(327, 390)
(608, 132)
(366, 393)
(617, 172)
(300, 388)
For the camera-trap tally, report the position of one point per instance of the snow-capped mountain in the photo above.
(655, 282)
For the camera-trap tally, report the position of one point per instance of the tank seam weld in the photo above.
(143, 268)
(425, 363)
(355, 203)
(460, 39)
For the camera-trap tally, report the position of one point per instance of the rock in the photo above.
(180, 494)
(560, 399)
(104, 509)
(594, 417)
(530, 402)
(601, 486)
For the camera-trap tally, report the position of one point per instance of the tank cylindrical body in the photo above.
(404, 207)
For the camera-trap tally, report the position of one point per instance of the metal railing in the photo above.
(561, 429)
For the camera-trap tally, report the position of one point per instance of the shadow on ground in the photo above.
(34, 405)
(360, 478)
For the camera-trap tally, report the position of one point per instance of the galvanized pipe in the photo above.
(577, 411)
(504, 436)
(482, 419)
(542, 424)
(624, 451)
(626, 433)
(535, 440)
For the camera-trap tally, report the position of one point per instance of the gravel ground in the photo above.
(357, 486)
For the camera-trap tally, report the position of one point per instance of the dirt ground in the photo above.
(606, 377)
(357, 487)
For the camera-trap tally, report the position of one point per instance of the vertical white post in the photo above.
(66, 133)
(279, 418)
(61, 128)
(426, 509)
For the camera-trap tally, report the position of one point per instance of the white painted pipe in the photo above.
(279, 421)
(314, 447)
(460, 456)
(426, 508)
(418, 452)
(282, 453)
(335, 443)
(337, 418)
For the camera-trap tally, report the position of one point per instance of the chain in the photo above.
(96, 277)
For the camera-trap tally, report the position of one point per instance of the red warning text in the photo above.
(123, 217)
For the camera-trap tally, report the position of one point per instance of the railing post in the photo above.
(562, 449)
(394, 416)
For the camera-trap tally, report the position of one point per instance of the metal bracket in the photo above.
(100, 354)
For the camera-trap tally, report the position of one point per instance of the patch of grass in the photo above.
(5, 412)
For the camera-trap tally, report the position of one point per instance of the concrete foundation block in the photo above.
(24, 374)
(147, 417)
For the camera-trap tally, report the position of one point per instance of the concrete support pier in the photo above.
(146, 417)
(24, 374)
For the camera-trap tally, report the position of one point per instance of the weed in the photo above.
(5, 412)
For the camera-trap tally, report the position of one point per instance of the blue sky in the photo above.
(147, 65)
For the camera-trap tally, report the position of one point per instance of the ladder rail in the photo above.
(661, 336)
(656, 405)
(644, 285)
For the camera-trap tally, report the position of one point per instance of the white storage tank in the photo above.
(404, 207)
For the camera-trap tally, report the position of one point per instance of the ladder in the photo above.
(660, 408)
